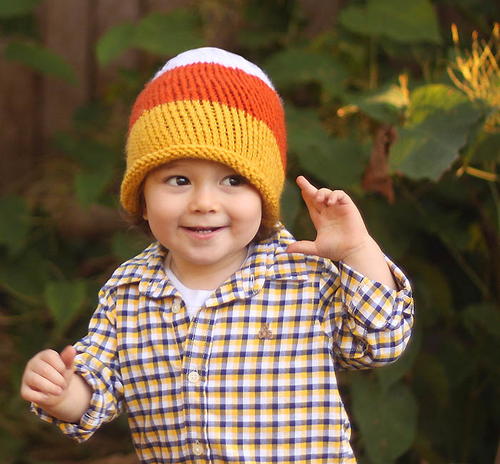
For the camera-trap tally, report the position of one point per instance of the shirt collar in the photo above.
(267, 260)
(154, 282)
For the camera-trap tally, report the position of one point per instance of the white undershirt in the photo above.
(194, 299)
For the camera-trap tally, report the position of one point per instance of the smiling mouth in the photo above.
(203, 230)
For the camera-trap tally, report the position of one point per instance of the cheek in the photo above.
(158, 213)
(249, 211)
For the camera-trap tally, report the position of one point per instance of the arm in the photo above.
(341, 233)
(50, 382)
(95, 365)
(367, 313)
(369, 322)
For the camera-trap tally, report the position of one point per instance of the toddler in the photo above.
(221, 340)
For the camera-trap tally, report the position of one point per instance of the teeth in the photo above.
(203, 229)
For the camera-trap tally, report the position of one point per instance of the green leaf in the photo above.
(391, 225)
(431, 379)
(157, 33)
(459, 361)
(15, 224)
(482, 318)
(126, 245)
(341, 167)
(65, 299)
(97, 161)
(437, 304)
(168, 34)
(291, 202)
(440, 119)
(91, 154)
(115, 41)
(432, 99)
(336, 162)
(89, 185)
(24, 276)
(296, 65)
(384, 105)
(268, 30)
(387, 419)
(416, 22)
(11, 8)
(486, 148)
(40, 59)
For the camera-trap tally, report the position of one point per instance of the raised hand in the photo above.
(341, 234)
(47, 377)
(339, 226)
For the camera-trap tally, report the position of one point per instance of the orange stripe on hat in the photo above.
(200, 81)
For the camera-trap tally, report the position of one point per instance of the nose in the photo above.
(204, 199)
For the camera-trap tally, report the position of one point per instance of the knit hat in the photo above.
(209, 104)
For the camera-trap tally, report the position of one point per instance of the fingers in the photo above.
(46, 375)
(320, 197)
(305, 247)
(305, 186)
(68, 356)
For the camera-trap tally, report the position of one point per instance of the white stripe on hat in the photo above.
(214, 55)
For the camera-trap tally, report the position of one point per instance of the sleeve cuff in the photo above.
(91, 420)
(373, 303)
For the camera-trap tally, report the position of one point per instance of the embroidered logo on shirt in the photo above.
(265, 332)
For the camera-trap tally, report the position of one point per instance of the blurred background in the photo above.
(396, 102)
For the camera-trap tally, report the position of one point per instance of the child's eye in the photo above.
(177, 180)
(234, 180)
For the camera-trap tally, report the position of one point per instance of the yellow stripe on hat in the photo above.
(204, 130)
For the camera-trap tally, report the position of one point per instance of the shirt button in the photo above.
(194, 377)
(198, 449)
(176, 306)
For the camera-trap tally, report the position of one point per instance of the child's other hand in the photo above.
(340, 229)
(47, 377)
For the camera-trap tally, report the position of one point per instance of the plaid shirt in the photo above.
(251, 379)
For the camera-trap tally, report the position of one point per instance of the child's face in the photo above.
(202, 212)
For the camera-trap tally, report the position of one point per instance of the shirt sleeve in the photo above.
(97, 363)
(370, 323)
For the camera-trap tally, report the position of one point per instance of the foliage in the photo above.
(39, 58)
(385, 104)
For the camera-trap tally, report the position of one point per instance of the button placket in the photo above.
(197, 347)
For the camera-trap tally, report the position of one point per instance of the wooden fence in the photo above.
(34, 106)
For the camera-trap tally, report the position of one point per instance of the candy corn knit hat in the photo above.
(210, 104)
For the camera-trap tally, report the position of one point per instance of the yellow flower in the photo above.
(477, 73)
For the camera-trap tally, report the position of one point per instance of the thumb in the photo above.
(68, 356)
(305, 247)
